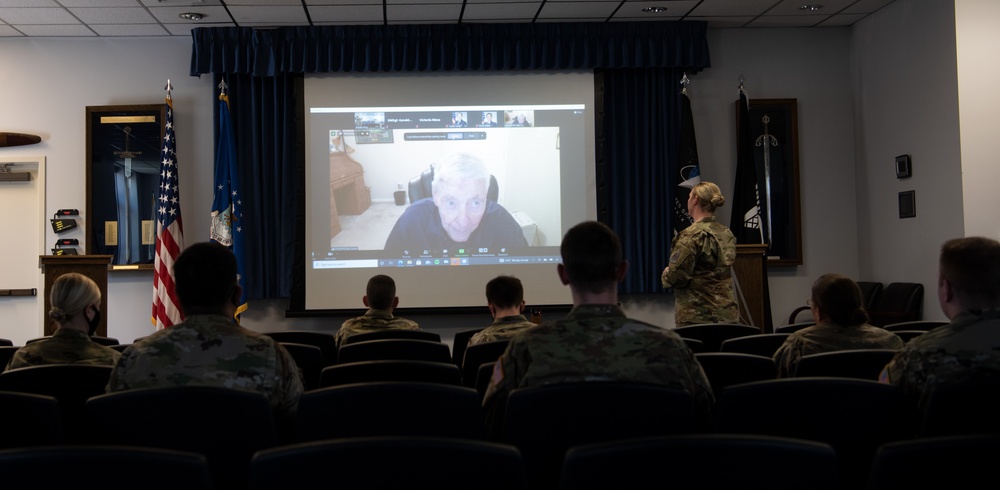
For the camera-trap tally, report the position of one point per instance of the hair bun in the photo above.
(718, 200)
(56, 313)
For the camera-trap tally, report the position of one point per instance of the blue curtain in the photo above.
(638, 127)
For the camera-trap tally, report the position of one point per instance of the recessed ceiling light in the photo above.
(191, 16)
(811, 8)
(654, 10)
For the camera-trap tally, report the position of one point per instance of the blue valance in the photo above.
(449, 47)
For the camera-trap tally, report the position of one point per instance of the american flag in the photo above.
(169, 232)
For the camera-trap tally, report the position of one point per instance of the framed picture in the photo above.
(774, 129)
(903, 168)
(908, 204)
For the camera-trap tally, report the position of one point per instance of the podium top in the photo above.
(44, 260)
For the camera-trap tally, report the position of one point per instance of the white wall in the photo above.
(906, 98)
(978, 40)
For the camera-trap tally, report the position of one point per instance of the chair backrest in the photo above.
(544, 421)
(729, 368)
(854, 416)
(969, 407)
(226, 425)
(86, 466)
(372, 371)
(871, 293)
(483, 377)
(702, 461)
(925, 325)
(6, 352)
(900, 302)
(393, 334)
(793, 327)
(695, 345)
(712, 334)
(460, 343)
(390, 409)
(6, 342)
(394, 349)
(71, 384)
(908, 335)
(420, 187)
(32, 420)
(309, 360)
(477, 355)
(793, 317)
(390, 462)
(855, 363)
(967, 461)
(765, 344)
(120, 347)
(324, 340)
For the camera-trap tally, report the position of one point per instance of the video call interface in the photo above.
(362, 160)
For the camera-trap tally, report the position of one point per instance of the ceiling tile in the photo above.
(578, 10)
(342, 3)
(30, 3)
(786, 21)
(866, 6)
(110, 15)
(791, 7)
(730, 8)
(269, 15)
(100, 3)
(8, 31)
(410, 13)
(675, 9)
(510, 11)
(78, 30)
(422, 2)
(723, 22)
(185, 29)
(171, 15)
(265, 3)
(20, 15)
(841, 20)
(111, 30)
(347, 13)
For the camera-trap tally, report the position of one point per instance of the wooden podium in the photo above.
(751, 271)
(92, 266)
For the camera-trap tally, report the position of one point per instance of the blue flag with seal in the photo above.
(228, 227)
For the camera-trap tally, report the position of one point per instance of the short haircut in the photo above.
(972, 267)
(72, 293)
(504, 291)
(839, 298)
(381, 291)
(205, 275)
(591, 254)
(457, 167)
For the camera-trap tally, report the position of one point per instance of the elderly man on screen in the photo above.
(458, 215)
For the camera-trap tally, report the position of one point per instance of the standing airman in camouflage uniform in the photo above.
(596, 342)
(76, 309)
(505, 298)
(209, 348)
(700, 260)
(841, 324)
(967, 349)
(381, 299)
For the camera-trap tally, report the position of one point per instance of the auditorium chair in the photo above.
(925, 325)
(394, 349)
(479, 354)
(544, 421)
(900, 302)
(968, 407)
(460, 343)
(309, 360)
(226, 425)
(729, 368)
(709, 461)
(854, 363)
(389, 463)
(32, 420)
(713, 334)
(966, 461)
(871, 292)
(854, 416)
(390, 409)
(324, 340)
(765, 344)
(392, 334)
(89, 466)
(793, 327)
(372, 371)
(6, 352)
(71, 384)
(6, 342)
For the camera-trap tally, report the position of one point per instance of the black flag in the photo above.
(685, 167)
(747, 222)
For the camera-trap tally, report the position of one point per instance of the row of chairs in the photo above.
(683, 461)
(853, 416)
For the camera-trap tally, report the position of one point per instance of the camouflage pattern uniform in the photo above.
(700, 258)
(595, 343)
(829, 337)
(373, 321)
(211, 350)
(968, 349)
(501, 328)
(66, 346)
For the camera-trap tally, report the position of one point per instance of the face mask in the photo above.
(94, 322)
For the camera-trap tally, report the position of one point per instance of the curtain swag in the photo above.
(449, 47)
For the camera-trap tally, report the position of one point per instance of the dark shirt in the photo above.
(420, 228)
